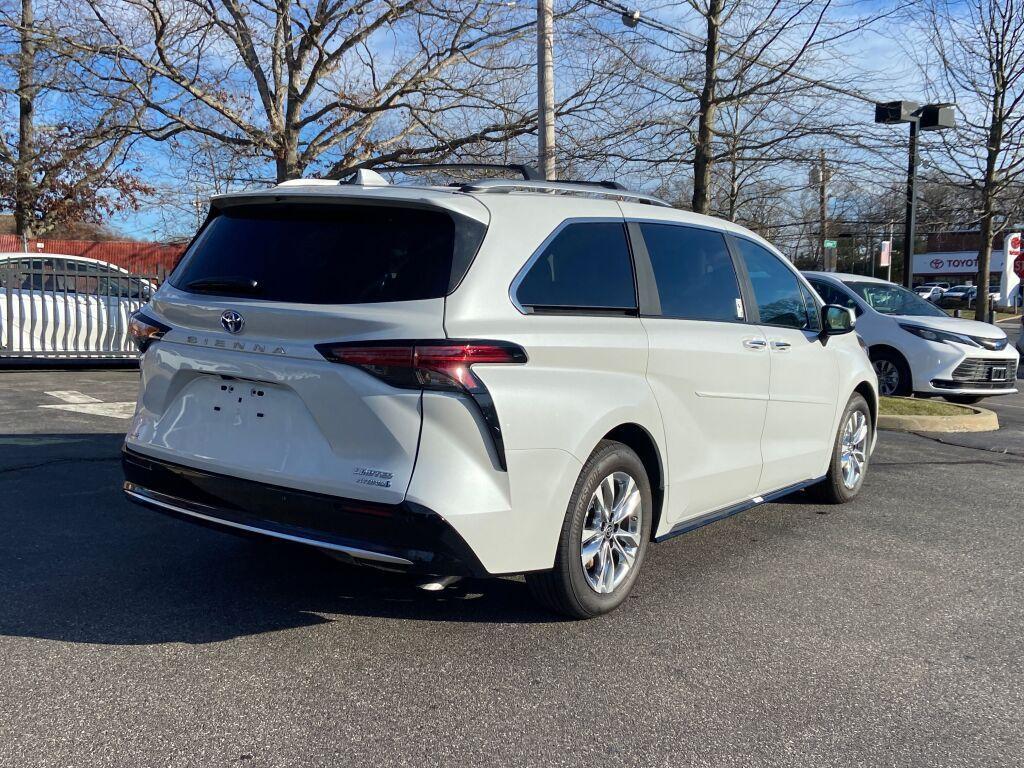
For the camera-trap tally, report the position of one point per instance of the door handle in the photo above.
(782, 346)
(755, 343)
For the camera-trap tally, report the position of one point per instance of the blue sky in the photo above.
(883, 70)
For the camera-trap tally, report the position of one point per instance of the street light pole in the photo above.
(546, 88)
(930, 117)
(910, 228)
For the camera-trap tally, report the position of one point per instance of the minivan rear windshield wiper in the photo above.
(230, 283)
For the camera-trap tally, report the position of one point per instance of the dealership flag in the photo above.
(1009, 279)
(885, 253)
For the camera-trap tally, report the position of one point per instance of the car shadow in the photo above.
(79, 563)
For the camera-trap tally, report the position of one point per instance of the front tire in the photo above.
(894, 379)
(849, 462)
(604, 536)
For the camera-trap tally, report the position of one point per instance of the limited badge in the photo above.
(375, 477)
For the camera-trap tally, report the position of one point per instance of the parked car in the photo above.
(58, 304)
(501, 377)
(916, 347)
(959, 296)
(929, 291)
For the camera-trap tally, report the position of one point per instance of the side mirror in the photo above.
(836, 320)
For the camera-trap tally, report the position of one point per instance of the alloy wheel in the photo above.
(888, 376)
(853, 449)
(611, 532)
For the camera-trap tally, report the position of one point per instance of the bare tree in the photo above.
(979, 51)
(69, 159)
(327, 86)
(747, 83)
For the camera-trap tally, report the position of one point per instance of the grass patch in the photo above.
(913, 406)
(968, 314)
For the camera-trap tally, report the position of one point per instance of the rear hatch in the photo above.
(236, 385)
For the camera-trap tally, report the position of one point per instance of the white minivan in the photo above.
(916, 348)
(496, 377)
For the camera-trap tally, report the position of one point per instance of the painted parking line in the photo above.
(72, 396)
(76, 402)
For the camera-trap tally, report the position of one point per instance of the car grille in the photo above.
(977, 373)
(993, 344)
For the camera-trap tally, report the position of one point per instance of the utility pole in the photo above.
(546, 88)
(827, 259)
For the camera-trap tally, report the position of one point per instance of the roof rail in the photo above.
(601, 188)
(528, 172)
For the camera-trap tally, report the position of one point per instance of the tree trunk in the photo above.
(988, 194)
(287, 162)
(703, 157)
(734, 185)
(984, 262)
(23, 191)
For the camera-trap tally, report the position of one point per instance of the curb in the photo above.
(979, 420)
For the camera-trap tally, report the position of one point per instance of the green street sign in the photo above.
(831, 243)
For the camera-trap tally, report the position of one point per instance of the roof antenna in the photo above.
(365, 178)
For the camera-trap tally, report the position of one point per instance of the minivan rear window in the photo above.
(330, 254)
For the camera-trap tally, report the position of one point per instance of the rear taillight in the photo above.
(441, 364)
(144, 330)
(444, 364)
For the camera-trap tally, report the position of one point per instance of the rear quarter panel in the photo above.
(585, 376)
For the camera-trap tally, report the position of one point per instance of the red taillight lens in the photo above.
(442, 364)
(145, 330)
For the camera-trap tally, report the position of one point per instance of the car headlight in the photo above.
(930, 334)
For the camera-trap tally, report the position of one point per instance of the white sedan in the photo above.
(53, 305)
(930, 291)
(916, 348)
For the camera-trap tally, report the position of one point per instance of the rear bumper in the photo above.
(406, 536)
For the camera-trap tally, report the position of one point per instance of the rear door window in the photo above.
(585, 266)
(694, 273)
(330, 254)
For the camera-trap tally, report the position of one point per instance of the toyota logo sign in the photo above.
(232, 321)
(937, 263)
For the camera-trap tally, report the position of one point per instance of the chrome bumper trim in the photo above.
(362, 554)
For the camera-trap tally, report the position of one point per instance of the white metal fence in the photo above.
(54, 308)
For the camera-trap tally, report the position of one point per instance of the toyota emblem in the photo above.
(232, 321)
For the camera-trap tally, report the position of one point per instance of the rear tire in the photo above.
(894, 379)
(849, 455)
(964, 399)
(612, 485)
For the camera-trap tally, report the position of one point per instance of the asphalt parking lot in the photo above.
(886, 632)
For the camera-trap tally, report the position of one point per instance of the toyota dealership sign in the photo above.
(955, 263)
